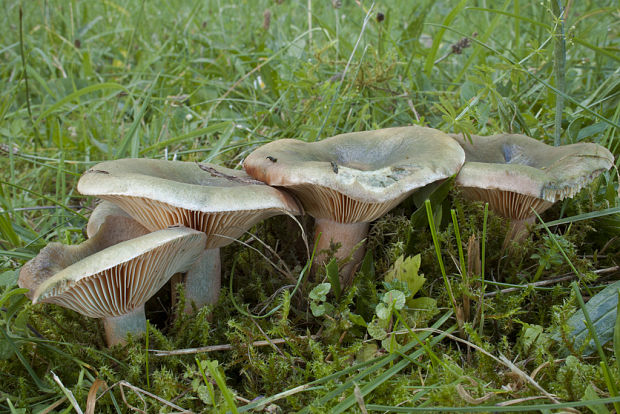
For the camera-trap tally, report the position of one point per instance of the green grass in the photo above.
(82, 82)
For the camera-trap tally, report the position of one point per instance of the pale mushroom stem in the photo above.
(202, 281)
(348, 235)
(117, 327)
(518, 231)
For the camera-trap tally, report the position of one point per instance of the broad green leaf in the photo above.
(418, 218)
(602, 309)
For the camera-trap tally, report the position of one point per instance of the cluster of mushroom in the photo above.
(159, 217)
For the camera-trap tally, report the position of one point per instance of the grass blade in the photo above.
(430, 58)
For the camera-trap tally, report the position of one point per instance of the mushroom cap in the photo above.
(109, 229)
(515, 172)
(161, 193)
(357, 176)
(120, 220)
(116, 280)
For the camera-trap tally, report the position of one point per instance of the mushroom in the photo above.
(106, 227)
(111, 282)
(349, 180)
(515, 174)
(220, 202)
(119, 221)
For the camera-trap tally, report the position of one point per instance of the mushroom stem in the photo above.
(117, 327)
(348, 235)
(518, 231)
(202, 281)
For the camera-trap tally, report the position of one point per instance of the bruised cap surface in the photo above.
(116, 280)
(161, 193)
(357, 176)
(506, 168)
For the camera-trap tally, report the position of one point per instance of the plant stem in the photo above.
(23, 55)
(559, 64)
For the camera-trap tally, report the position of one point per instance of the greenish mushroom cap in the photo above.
(161, 193)
(357, 176)
(504, 168)
(118, 279)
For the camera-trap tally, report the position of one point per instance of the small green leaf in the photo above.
(591, 395)
(367, 352)
(9, 278)
(424, 303)
(376, 331)
(533, 337)
(395, 298)
(367, 267)
(320, 291)
(331, 269)
(318, 309)
(6, 350)
(7, 295)
(406, 270)
(383, 312)
(357, 319)
(418, 218)
(204, 395)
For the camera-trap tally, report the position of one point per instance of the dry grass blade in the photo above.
(67, 393)
(139, 392)
(563, 278)
(467, 396)
(53, 406)
(360, 399)
(530, 380)
(520, 400)
(502, 360)
(225, 347)
(91, 400)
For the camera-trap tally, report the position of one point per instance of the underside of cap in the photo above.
(116, 280)
(516, 163)
(120, 220)
(222, 228)
(109, 229)
(325, 203)
(508, 204)
(357, 169)
(160, 194)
